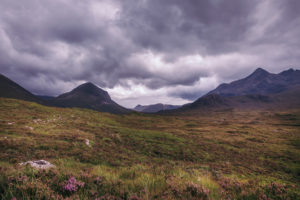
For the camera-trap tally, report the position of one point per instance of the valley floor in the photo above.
(226, 154)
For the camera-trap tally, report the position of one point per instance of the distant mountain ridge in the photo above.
(260, 89)
(44, 97)
(154, 108)
(260, 82)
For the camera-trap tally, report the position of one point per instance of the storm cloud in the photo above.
(145, 51)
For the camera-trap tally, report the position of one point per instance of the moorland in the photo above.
(221, 154)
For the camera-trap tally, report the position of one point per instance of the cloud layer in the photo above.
(145, 51)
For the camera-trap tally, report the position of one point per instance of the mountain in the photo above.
(289, 99)
(260, 82)
(10, 89)
(89, 96)
(209, 101)
(154, 108)
(84, 96)
(46, 98)
(261, 89)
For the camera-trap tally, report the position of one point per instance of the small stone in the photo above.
(10, 123)
(39, 164)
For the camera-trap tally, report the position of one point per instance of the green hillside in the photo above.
(216, 155)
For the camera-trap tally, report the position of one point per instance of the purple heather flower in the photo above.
(72, 185)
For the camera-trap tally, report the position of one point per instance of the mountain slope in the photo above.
(260, 82)
(10, 89)
(154, 108)
(89, 96)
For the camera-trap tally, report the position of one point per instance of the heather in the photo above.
(225, 154)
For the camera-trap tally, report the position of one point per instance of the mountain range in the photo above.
(260, 89)
(155, 108)
(260, 82)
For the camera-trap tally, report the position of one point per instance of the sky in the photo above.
(145, 51)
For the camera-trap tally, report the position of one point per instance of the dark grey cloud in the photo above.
(189, 26)
(170, 50)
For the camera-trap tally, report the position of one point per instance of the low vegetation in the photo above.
(230, 154)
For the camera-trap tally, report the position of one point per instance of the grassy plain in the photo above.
(229, 154)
